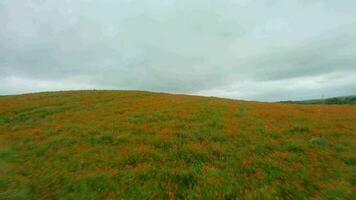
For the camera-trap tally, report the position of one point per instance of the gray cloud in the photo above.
(238, 49)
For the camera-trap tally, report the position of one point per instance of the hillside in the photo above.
(141, 145)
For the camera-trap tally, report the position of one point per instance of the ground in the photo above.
(142, 145)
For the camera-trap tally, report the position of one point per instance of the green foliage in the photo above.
(318, 142)
(139, 145)
(349, 100)
(298, 130)
(351, 160)
(241, 111)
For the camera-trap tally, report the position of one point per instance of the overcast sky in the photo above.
(246, 49)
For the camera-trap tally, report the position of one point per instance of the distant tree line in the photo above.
(350, 100)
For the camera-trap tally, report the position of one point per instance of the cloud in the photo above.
(18, 84)
(175, 46)
(329, 52)
(306, 87)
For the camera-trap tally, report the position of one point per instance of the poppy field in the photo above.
(143, 145)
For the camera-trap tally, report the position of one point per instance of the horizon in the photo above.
(172, 93)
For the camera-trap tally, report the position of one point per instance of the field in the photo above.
(142, 145)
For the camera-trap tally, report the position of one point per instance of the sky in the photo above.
(266, 50)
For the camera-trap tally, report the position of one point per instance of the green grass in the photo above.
(140, 145)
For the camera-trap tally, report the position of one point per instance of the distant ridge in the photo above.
(350, 100)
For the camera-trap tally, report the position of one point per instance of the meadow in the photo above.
(143, 145)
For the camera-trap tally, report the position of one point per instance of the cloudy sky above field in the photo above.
(246, 49)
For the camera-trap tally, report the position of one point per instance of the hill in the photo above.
(350, 100)
(142, 145)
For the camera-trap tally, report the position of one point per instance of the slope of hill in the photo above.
(141, 145)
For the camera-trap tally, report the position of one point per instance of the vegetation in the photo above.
(350, 100)
(141, 145)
